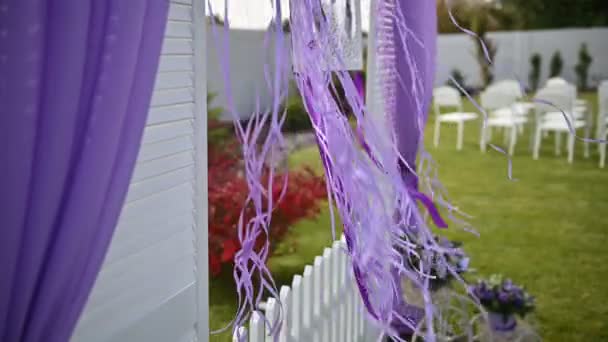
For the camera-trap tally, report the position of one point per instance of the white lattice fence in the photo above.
(321, 305)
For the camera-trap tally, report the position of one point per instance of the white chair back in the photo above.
(556, 81)
(566, 88)
(446, 97)
(496, 98)
(602, 98)
(510, 86)
(553, 99)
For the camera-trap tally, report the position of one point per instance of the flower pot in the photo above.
(501, 323)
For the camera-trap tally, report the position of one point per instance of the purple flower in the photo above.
(503, 297)
(507, 285)
(463, 264)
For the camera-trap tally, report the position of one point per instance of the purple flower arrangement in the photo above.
(501, 296)
(443, 265)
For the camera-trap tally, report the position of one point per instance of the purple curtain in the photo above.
(76, 77)
(421, 19)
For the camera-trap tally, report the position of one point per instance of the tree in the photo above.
(536, 63)
(542, 14)
(286, 26)
(216, 19)
(582, 67)
(529, 14)
(555, 68)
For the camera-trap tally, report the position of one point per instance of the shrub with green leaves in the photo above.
(557, 63)
(582, 67)
(297, 119)
(535, 63)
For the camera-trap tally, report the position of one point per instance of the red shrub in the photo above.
(227, 194)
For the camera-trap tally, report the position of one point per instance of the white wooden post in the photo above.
(200, 129)
(286, 310)
(298, 307)
(256, 327)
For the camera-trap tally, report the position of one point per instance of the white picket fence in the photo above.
(321, 305)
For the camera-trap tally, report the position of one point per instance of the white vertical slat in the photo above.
(327, 294)
(341, 284)
(349, 309)
(201, 198)
(317, 298)
(240, 335)
(307, 299)
(361, 323)
(286, 302)
(355, 315)
(296, 307)
(256, 327)
(335, 279)
(272, 315)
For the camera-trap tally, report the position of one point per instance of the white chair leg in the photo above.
(436, 136)
(482, 139)
(602, 155)
(570, 148)
(512, 140)
(460, 135)
(586, 145)
(537, 139)
(558, 143)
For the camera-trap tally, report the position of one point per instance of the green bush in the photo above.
(555, 68)
(582, 68)
(536, 63)
(297, 119)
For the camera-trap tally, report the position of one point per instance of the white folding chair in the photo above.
(450, 97)
(513, 86)
(549, 102)
(519, 108)
(602, 119)
(496, 99)
(580, 111)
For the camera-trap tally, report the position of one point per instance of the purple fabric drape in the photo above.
(411, 110)
(421, 19)
(76, 78)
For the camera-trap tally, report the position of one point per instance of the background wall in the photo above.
(457, 51)
(248, 55)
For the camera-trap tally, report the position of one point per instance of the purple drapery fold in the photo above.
(76, 78)
(411, 109)
(409, 119)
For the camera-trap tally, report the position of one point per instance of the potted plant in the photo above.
(442, 265)
(503, 300)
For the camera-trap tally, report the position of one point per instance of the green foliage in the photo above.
(218, 132)
(545, 14)
(297, 119)
(286, 26)
(582, 68)
(535, 63)
(525, 14)
(557, 63)
(457, 80)
(213, 113)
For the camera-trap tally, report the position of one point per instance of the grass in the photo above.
(546, 230)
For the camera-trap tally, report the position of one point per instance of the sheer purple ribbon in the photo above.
(428, 203)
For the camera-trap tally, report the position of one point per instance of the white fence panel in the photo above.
(321, 305)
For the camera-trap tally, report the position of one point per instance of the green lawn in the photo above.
(545, 230)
